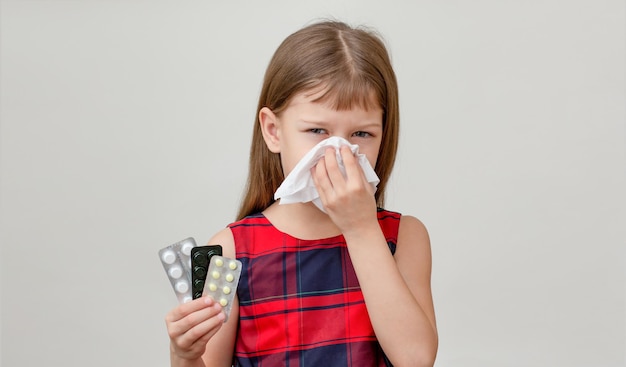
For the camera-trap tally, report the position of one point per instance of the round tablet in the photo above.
(186, 248)
(219, 262)
(223, 302)
(187, 299)
(182, 287)
(232, 265)
(200, 259)
(176, 272)
(212, 287)
(229, 278)
(215, 274)
(168, 257)
(199, 271)
(226, 289)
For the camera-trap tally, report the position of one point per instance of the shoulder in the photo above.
(413, 242)
(225, 239)
(407, 232)
(411, 227)
(405, 225)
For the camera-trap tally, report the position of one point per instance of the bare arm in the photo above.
(397, 292)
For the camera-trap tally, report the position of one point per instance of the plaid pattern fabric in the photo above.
(300, 303)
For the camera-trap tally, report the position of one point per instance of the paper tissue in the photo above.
(298, 186)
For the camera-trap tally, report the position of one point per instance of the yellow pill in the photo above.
(223, 302)
(226, 290)
(219, 262)
(232, 265)
(229, 278)
(215, 274)
(212, 287)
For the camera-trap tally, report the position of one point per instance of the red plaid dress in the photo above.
(300, 303)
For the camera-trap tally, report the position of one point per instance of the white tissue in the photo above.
(298, 186)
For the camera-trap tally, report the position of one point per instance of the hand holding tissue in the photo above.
(298, 186)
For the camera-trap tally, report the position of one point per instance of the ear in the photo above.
(270, 129)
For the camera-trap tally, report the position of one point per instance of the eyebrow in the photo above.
(359, 125)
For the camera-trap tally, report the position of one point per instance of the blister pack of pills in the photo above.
(200, 258)
(222, 280)
(176, 260)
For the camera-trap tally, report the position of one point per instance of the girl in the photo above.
(347, 286)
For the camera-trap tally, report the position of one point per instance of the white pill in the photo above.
(226, 289)
(215, 274)
(232, 265)
(186, 248)
(212, 287)
(187, 299)
(182, 287)
(229, 278)
(219, 262)
(176, 272)
(223, 302)
(168, 257)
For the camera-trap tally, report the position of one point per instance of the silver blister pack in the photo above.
(222, 280)
(177, 262)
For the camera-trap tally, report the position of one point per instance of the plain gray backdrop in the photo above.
(125, 127)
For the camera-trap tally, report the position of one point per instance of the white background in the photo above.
(125, 126)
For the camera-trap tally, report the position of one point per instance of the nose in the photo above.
(343, 136)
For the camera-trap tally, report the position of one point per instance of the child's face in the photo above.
(305, 123)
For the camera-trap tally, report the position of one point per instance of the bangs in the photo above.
(343, 92)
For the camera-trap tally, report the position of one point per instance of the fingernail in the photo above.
(208, 300)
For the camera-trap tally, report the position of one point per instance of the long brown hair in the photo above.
(349, 64)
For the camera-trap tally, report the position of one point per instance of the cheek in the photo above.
(372, 158)
(371, 152)
(287, 165)
(290, 157)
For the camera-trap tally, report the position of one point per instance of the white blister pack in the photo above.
(177, 262)
(222, 280)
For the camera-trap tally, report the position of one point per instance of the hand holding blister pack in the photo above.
(196, 271)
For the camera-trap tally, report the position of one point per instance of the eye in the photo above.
(317, 131)
(362, 134)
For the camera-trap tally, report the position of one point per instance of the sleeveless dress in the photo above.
(300, 303)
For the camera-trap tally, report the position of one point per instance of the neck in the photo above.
(301, 220)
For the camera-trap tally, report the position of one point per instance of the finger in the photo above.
(332, 168)
(355, 175)
(203, 326)
(350, 162)
(185, 309)
(189, 322)
(320, 176)
(322, 182)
